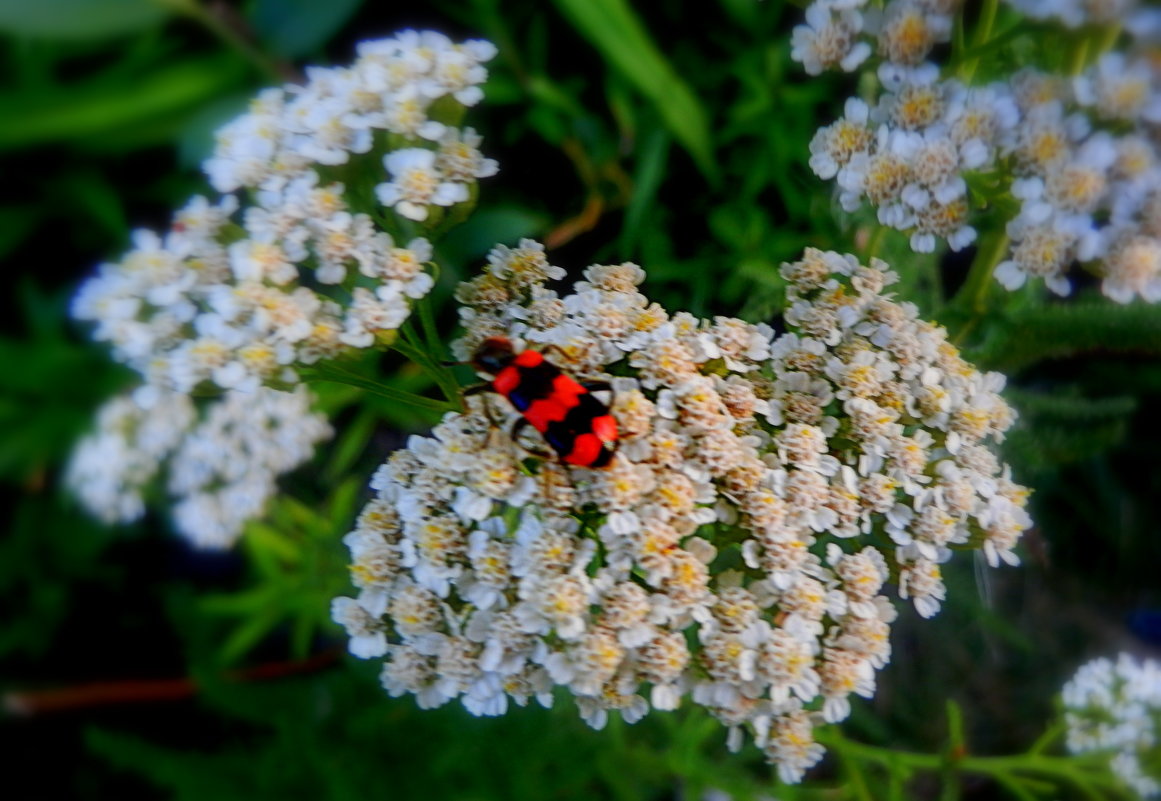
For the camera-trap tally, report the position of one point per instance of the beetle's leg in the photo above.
(475, 389)
(484, 405)
(518, 428)
(557, 349)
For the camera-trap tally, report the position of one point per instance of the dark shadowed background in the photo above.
(126, 668)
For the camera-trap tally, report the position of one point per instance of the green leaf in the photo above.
(92, 110)
(250, 632)
(97, 200)
(554, 96)
(1057, 332)
(296, 28)
(50, 563)
(237, 603)
(264, 537)
(614, 29)
(548, 123)
(342, 503)
(350, 444)
(332, 372)
(1066, 408)
(78, 19)
(42, 407)
(650, 172)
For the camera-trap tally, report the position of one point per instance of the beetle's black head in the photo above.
(493, 355)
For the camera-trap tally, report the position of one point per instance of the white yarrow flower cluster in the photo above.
(111, 467)
(1087, 172)
(238, 297)
(1115, 708)
(1136, 16)
(221, 462)
(244, 290)
(907, 153)
(399, 96)
(1080, 156)
(818, 465)
(842, 34)
(829, 39)
(235, 306)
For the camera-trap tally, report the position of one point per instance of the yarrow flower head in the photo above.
(404, 89)
(908, 154)
(200, 307)
(1079, 154)
(245, 290)
(1136, 15)
(238, 297)
(1114, 708)
(844, 33)
(1087, 167)
(223, 459)
(735, 553)
(829, 38)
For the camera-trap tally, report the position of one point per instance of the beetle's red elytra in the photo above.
(572, 421)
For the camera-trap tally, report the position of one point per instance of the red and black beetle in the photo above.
(577, 425)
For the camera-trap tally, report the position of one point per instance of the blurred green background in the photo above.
(674, 135)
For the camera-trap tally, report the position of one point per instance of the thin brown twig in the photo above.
(573, 227)
(26, 703)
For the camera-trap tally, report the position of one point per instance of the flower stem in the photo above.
(974, 292)
(427, 322)
(1089, 774)
(1107, 39)
(340, 375)
(411, 346)
(983, 33)
(876, 241)
(1079, 58)
(986, 22)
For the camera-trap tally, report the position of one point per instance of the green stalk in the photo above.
(952, 754)
(410, 347)
(958, 40)
(1050, 735)
(834, 739)
(876, 241)
(974, 292)
(427, 321)
(987, 22)
(1076, 771)
(1107, 39)
(341, 375)
(983, 33)
(1079, 58)
(858, 782)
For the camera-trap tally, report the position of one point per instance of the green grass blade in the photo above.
(331, 372)
(614, 29)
